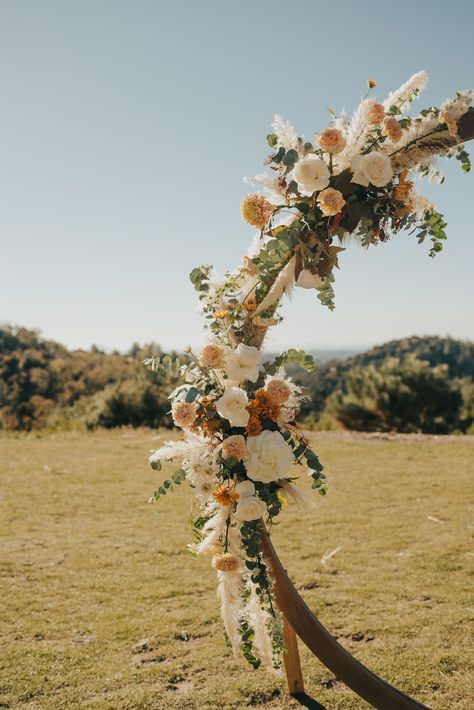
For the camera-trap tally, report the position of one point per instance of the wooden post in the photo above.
(291, 659)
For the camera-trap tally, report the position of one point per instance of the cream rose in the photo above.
(270, 457)
(233, 406)
(243, 363)
(311, 174)
(212, 355)
(184, 414)
(374, 168)
(250, 508)
(331, 140)
(308, 280)
(330, 201)
(245, 489)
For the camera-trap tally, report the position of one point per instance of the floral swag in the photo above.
(242, 451)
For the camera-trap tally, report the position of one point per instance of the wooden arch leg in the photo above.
(291, 659)
(336, 658)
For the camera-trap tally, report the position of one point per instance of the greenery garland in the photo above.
(242, 451)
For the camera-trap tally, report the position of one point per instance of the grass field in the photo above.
(102, 607)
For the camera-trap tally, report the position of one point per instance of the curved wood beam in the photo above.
(354, 674)
(317, 638)
(466, 126)
(433, 143)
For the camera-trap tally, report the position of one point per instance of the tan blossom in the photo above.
(448, 118)
(184, 414)
(392, 129)
(278, 391)
(330, 201)
(374, 113)
(255, 209)
(401, 193)
(225, 562)
(212, 355)
(404, 187)
(234, 447)
(331, 140)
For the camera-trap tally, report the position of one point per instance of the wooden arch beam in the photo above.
(324, 646)
(300, 619)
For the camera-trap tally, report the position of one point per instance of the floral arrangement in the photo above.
(242, 451)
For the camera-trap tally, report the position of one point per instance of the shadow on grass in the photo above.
(307, 702)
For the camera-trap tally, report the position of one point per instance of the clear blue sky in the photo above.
(126, 129)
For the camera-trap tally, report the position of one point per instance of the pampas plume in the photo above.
(177, 449)
(421, 149)
(401, 97)
(258, 619)
(282, 283)
(228, 591)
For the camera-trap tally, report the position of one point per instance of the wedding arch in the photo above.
(242, 450)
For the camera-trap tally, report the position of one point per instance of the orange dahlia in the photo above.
(225, 495)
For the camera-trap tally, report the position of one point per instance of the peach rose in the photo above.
(184, 414)
(392, 129)
(331, 140)
(225, 562)
(448, 118)
(234, 447)
(374, 113)
(278, 391)
(212, 355)
(330, 201)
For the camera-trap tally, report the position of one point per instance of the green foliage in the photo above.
(330, 378)
(44, 384)
(167, 486)
(272, 140)
(463, 157)
(166, 366)
(433, 225)
(199, 278)
(291, 357)
(247, 634)
(250, 532)
(326, 292)
(405, 395)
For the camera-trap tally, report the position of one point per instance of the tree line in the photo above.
(410, 385)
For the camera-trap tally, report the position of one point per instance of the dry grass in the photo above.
(88, 570)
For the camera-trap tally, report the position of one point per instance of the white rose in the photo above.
(245, 489)
(233, 406)
(250, 508)
(270, 457)
(311, 173)
(374, 167)
(308, 280)
(243, 363)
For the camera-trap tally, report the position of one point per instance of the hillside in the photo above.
(410, 385)
(42, 383)
(431, 373)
